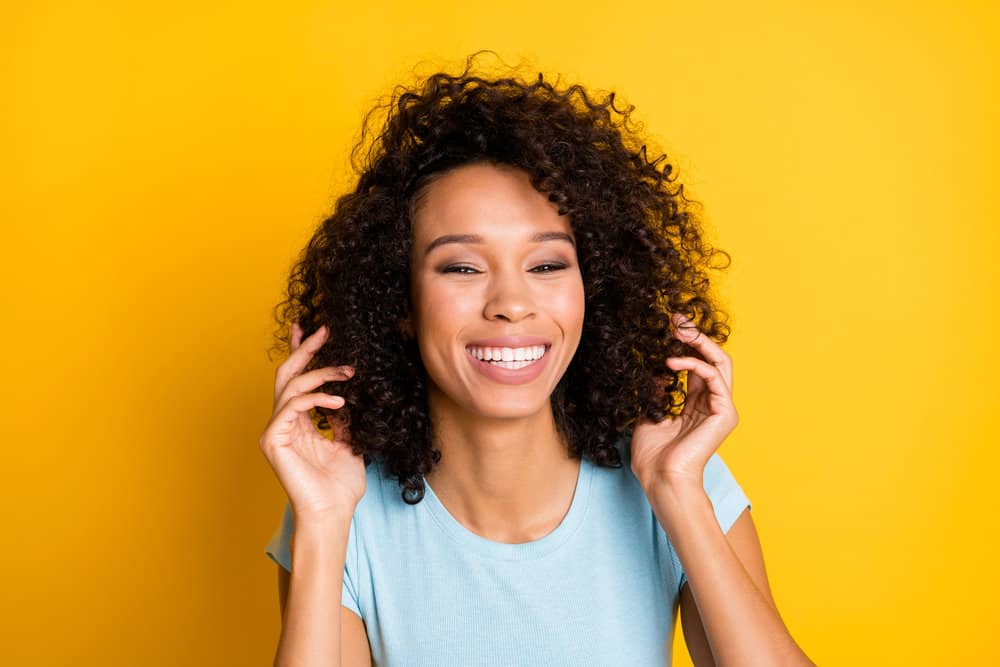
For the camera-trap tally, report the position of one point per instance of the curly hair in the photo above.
(641, 249)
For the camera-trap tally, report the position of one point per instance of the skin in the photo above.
(505, 472)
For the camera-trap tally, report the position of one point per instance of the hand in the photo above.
(322, 477)
(674, 451)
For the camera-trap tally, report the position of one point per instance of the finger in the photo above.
(720, 397)
(296, 335)
(695, 385)
(295, 409)
(298, 406)
(311, 380)
(299, 358)
(687, 332)
(726, 376)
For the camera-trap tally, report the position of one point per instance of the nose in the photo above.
(508, 297)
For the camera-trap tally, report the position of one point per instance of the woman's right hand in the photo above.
(322, 478)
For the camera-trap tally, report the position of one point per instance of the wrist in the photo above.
(675, 504)
(680, 488)
(680, 496)
(315, 541)
(325, 524)
(325, 518)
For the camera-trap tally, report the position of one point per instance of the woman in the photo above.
(498, 320)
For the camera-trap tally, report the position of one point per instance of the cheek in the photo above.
(570, 305)
(442, 308)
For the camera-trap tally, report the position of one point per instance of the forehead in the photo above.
(484, 199)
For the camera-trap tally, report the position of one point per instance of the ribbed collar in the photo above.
(539, 548)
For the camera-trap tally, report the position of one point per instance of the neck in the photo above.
(508, 480)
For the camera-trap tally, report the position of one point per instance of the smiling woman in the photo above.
(510, 280)
(516, 473)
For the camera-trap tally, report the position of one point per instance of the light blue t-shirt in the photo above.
(600, 589)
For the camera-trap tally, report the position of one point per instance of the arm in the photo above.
(670, 458)
(742, 537)
(312, 615)
(326, 479)
(727, 610)
(355, 651)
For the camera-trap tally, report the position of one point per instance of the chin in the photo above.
(510, 408)
(509, 414)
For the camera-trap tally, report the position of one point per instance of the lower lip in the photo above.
(508, 375)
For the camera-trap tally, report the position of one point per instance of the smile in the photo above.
(512, 358)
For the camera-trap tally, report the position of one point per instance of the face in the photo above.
(497, 293)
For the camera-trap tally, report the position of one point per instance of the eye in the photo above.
(455, 268)
(552, 267)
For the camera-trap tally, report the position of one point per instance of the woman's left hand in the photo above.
(674, 451)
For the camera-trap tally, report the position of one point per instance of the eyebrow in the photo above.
(540, 237)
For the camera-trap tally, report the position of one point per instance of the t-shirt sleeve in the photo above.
(279, 550)
(728, 498)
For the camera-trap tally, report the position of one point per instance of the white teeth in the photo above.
(512, 365)
(509, 357)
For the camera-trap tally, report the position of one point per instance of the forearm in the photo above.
(740, 624)
(310, 633)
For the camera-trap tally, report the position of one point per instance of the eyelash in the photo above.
(453, 268)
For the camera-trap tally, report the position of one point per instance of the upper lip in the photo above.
(509, 341)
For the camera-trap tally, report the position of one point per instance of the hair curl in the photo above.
(640, 247)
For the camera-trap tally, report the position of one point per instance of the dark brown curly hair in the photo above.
(641, 250)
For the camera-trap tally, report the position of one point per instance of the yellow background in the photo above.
(163, 163)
